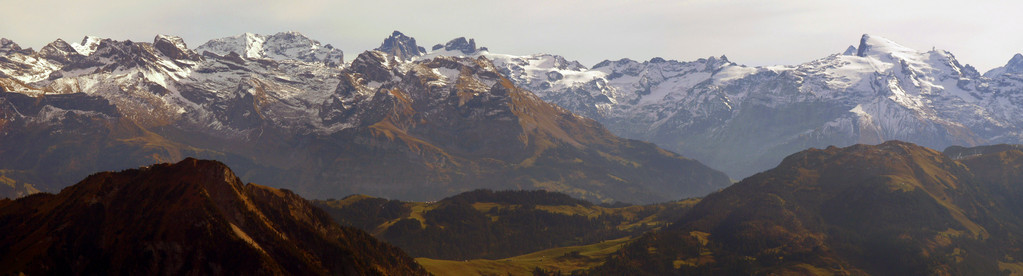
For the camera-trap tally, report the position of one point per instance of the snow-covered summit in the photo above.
(87, 46)
(247, 45)
(876, 46)
(1015, 66)
(280, 46)
(851, 51)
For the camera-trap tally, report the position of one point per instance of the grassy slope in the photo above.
(561, 259)
(498, 225)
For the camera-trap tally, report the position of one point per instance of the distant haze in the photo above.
(982, 33)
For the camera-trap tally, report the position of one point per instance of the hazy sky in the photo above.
(983, 33)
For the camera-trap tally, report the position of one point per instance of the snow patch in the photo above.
(88, 45)
(731, 73)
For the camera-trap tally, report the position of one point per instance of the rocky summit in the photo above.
(401, 46)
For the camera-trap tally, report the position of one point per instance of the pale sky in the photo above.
(983, 33)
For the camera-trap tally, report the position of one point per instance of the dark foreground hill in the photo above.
(194, 217)
(890, 209)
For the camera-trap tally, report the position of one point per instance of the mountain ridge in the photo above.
(194, 216)
(893, 208)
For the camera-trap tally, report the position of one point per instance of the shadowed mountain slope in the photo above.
(192, 217)
(891, 209)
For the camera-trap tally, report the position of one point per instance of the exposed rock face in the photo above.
(174, 48)
(1015, 65)
(401, 46)
(193, 217)
(60, 52)
(7, 46)
(460, 44)
(851, 51)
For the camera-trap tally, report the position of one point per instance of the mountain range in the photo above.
(744, 120)
(276, 106)
(286, 110)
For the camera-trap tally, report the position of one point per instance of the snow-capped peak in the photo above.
(851, 51)
(247, 45)
(280, 46)
(929, 71)
(87, 46)
(876, 46)
(1014, 66)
